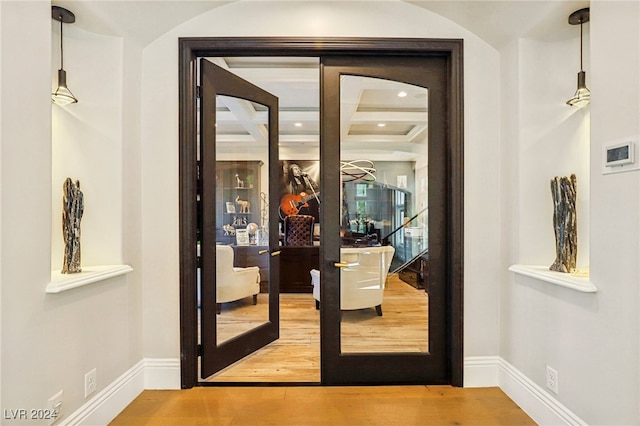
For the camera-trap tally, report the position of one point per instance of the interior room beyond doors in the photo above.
(383, 210)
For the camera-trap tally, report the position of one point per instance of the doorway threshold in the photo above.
(257, 384)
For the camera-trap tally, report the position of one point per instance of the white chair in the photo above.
(234, 283)
(362, 282)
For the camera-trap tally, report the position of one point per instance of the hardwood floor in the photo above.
(337, 406)
(295, 357)
(403, 327)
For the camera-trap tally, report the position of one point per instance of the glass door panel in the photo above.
(384, 214)
(242, 263)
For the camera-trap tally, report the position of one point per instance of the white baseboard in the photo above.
(539, 404)
(164, 373)
(481, 371)
(149, 373)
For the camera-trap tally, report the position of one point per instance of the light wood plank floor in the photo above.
(337, 406)
(295, 357)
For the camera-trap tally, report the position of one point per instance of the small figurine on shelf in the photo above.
(252, 229)
(244, 205)
(239, 221)
(239, 182)
(229, 230)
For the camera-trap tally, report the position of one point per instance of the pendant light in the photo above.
(582, 95)
(62, 95)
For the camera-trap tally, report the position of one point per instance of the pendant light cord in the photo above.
(581, 45)
(61, 48)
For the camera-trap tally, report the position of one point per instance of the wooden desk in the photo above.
(296, 264)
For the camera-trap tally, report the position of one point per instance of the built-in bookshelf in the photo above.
(237, 182)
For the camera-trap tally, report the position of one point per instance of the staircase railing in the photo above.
(409, 247)
(385, 240)
(406, 264)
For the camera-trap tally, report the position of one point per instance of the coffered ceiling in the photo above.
(377, 116)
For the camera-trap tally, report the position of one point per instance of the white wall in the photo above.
(1, 176)
(615, 209)
(131, 243)
(590, 339)
(87, 142)
(553, 141)
(381, 19)
(49, 341)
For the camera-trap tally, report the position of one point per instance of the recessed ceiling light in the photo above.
(381, 124)
(298, 124)
(402, 94)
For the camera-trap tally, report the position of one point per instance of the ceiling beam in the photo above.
(349, 100)
(243, 111)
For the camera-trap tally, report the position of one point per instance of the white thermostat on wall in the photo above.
(619, 156)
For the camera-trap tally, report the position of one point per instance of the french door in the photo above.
(426, 218)
(413, 347)
(229, 206)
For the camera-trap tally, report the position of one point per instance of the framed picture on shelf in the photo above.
(231, 207)
(242, 237)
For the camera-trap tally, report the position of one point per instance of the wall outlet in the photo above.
(90, 383)
(54, 408)
(552, 379)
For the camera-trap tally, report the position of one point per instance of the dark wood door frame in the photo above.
(192, 48)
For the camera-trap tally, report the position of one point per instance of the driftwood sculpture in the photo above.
(563, 190)
(72, 210)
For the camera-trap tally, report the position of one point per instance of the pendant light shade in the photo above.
(62, 95)
(583, 95)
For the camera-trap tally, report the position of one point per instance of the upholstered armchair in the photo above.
(298, 230)
(362, 282)
(234, 283)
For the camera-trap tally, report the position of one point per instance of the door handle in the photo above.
(263, 252)
(346, 264)
(276, 253)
